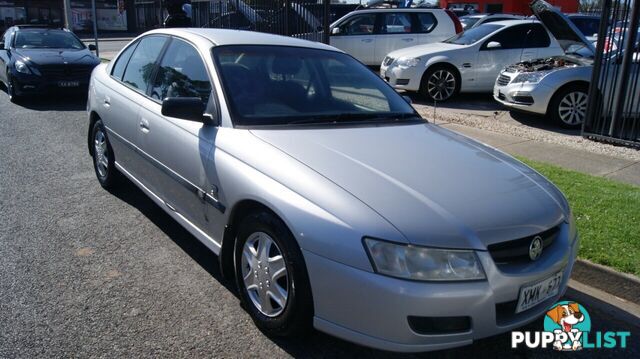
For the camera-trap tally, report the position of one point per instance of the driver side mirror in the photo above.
(185, 108)
(494, 45)
(92, 47)
(335, 31)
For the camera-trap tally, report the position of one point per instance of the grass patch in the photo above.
(607, 215)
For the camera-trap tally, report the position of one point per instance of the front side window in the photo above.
(47, 39)
(474, 35)
(396, 23)
(278, 85)
(182, 73)
(359, 25)
(521, 36)
(140, 68)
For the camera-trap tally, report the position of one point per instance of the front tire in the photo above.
(440, 83)
(103, 159)
(569, 106)
(271, 276)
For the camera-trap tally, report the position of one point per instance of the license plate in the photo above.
(534, 294)
(69, 83)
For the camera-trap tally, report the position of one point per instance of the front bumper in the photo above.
(402, 78)
(29, 84)
(527, 97)
(373, 310)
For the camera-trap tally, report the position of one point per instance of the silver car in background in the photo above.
(326, 197)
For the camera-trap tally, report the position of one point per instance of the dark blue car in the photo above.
(35, 60)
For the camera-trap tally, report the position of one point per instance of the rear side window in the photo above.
(426, 22)
(122, 61)
(182, 73)
(141, 65)
(396, 23)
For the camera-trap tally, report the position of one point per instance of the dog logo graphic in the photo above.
(568, 321)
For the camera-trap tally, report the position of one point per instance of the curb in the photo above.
(621, 285)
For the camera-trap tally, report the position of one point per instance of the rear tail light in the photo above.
(456, 21)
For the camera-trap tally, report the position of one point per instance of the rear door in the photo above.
(517, 43)
(119, 99)
(179, 151)
(395, 32)
(356, 37)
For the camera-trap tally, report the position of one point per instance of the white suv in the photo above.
(369, 35)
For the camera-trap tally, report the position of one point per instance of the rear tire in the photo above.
(271, 276)
(103, 158)
(440, 83)
(568, 107)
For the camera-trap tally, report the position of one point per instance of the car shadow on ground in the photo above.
(72, 101)
(132, 195)
(542, 123)
(313, 344)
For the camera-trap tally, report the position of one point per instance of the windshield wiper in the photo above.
(355, 118)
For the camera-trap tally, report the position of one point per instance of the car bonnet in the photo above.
(559, 25)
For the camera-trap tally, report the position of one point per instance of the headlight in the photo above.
(530, 77)
(421, 263)
(22, 67)
(408, 61)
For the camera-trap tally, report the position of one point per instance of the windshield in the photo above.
(49, 39)
(474, 35)
(468, 21)
(279, 85)
(587, 26)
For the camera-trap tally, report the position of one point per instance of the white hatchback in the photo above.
(369, 35)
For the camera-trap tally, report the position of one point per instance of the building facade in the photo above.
(519, 7)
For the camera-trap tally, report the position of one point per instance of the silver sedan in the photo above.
(328, 200)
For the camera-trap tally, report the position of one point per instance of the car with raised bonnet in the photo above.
(36, 59)
(370, 34)
(467, 62)
(558, 86)
(328, 199)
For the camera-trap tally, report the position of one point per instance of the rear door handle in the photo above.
(407, 40)
(367, 40)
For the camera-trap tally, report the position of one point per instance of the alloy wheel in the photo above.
(101, 153)
(441, 85)
(264, 274)
(572, 109)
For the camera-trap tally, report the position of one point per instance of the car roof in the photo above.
(513, 22)
(241, 37)
(403, 9)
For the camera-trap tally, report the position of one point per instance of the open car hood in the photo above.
(560, 26)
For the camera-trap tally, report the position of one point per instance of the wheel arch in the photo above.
(564, 87)
(239, 211)
(93, 118)
(441, 63)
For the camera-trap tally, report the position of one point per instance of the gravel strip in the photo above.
(494, 125)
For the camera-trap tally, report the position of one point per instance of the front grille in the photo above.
(502, 96)
(503, 80)
(387, 61)
(517, 251)
(66, 72)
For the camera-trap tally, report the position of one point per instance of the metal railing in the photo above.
(308, 19)
(613, 112)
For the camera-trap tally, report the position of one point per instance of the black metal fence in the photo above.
(308, 19)
(613, 112)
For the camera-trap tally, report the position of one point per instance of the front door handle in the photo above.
(407, 40)
(106, 102)
(144, 125)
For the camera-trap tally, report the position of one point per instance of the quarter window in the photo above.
(122, 61)
(396, 23)
(426, 21)
(140, 68)
(182, 73)
(359, 25)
